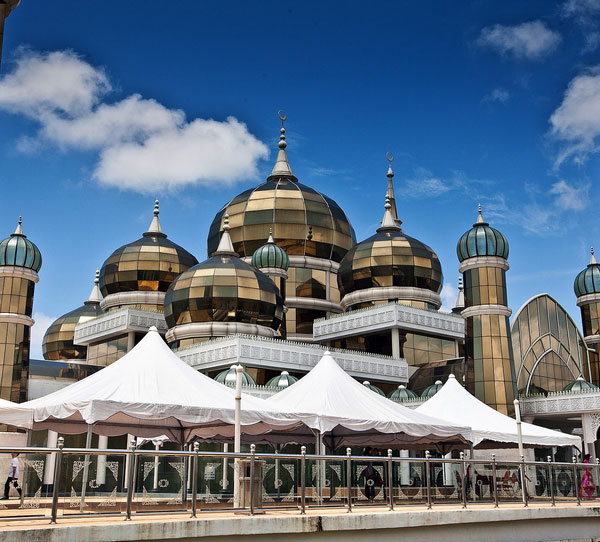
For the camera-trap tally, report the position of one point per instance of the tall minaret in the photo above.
(587, 290)
(483, 253)
(6, 6)
(20, 261)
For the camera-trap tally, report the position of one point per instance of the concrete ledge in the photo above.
(414, 524)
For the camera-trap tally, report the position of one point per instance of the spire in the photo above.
(460, 299)
(592, 257)
(480, 220)
(282, 166)
(225, 247)
(95, 295)
(270, 239)
(390, 187)
(19, 230)
(154, 228)
(388, 222)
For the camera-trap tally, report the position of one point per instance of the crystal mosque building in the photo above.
(286, 279)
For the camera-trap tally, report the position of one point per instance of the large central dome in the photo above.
(304, 221)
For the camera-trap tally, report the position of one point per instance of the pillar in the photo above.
(51, 441)
(101, 465)
(127, 461)
(130, 340)
(396, 353)
(589, 435)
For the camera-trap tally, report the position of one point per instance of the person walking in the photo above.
(13, 476)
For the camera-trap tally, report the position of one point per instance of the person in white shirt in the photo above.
(13, 476)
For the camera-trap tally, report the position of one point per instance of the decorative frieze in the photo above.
(561, 402)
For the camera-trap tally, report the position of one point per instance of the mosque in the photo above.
(286, 279)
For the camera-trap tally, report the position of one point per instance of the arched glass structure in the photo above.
(549, 350)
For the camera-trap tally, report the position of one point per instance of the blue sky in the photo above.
(104, 108)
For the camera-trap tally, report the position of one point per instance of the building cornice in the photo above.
(312, 303)
(587, 298)
(132, 298)
(592, 339)
(20, 272)
(479, 310)
(199, 330)
(14, 318)
(483, 261)
(385, 293)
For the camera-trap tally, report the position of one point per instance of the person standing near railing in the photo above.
(587, 481)
(13, 476)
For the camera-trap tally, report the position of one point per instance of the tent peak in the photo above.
(451, 375)
(153, 328)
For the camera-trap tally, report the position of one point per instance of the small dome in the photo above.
(283, 380)
(150, 263)
(19, 251)
(588, 280)
(367, 384)
(579, 385)
(270, 256)
(57, 343)
(401, 394)
(482, 240)
(430, 391)
(228, 377)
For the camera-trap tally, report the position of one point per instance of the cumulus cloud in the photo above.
(448, 294)
(530, 41)
(42, 323)
(499, 95)
(569, 197)
(576, 122)
(141, 144)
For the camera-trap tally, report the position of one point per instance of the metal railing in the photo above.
(311, 481)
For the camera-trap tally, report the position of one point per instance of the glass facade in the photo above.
(14, 353)
(16, 295)
(390, 258)
(420, 349)
(58, 340)
(548, 348)
(304, 221)
(223, 289)
(590, 317)
(485, 286)
(105, 353)
(149, 264)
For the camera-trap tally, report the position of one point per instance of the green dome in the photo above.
(580, 385)
(19, 251)
(270, 255)
(588, 280)
(228, 376)
(402, 393)
(482, 240)
(367, 384)
(283, 380)
(430, 391)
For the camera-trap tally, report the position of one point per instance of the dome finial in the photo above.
(282, 166)
(225, 245)
(390, 188)
(388, 222)
(270, 239)
(480, 219)
(592, 257)
(154, 227)
(95, 295)
(19, 230)
(390, 159)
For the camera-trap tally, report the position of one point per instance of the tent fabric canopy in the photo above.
(148, 392)
(14, 414)
(489, 427)
(349, 413)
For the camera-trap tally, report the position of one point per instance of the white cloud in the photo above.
(424, 185)
(576, 122)
(499, 95)
(141, 144)
(570, 198)
(42, 323)
(530, 41)
(449, 294)
(586, 15)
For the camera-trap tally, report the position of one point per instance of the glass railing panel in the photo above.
(160, 483)
(25, 495)
(445, 482)
(409, 482)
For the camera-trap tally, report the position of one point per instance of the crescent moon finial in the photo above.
(390, 157)
(282, 116)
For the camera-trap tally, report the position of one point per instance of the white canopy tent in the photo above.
(490, 428)
(147, 393)
(346, 412)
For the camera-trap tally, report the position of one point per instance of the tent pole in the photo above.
(157, 446)
(224, 482)
(238, 435)
(519, 431)
(86, 464)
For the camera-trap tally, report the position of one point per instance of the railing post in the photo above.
(428, 478)
(495, 485)
(523, 481)
(56, 480)
(252, 459)
(551, 481)
(349, 478)
(195, 479)
(390, 480)
(463, 480)
(130, 479)
(303, 480)
(575, 484)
